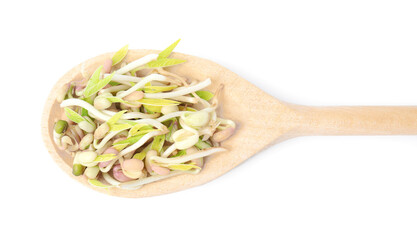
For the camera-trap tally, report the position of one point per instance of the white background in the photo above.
(304, 52)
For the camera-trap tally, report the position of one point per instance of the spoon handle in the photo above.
(367, 120)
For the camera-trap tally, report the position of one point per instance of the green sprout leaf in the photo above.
(129, 141)
(135, 129)
(119, 127)
(95, 84)
(84, 111)
(97, 183)
(202, 144)
(183, 167)
(206, 95)
(143, 132)
(116, 117)
(69, 92)
(157, 89)
(120, 147)
(183, 108)
(172, 128)
(119, 55)
(116, 99)
(94, 79)
(164, 62)
(158, 102)
(158, 143)
(180, 153)
(142, 154)
(165, 53)
(73, 116)
(114, 83)
(105, 157)
(152, 109)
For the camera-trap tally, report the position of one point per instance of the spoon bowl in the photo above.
(261, 120)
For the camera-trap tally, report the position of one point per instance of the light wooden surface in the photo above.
(262, 120)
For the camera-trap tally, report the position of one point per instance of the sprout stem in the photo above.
(187, 99)
(171, 115)
(115, 89)
(184, 91)
(110, 180)
(139, 143)
(107, 138)
(137, 63)
(78, 102)
(189, 157)
(168, 151)
(140, 84)
(133, 115)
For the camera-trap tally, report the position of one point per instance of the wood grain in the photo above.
(262, 120)
(365, 120)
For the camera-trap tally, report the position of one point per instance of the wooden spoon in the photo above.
(262, 120)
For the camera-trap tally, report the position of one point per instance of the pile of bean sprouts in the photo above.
(132, 123)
